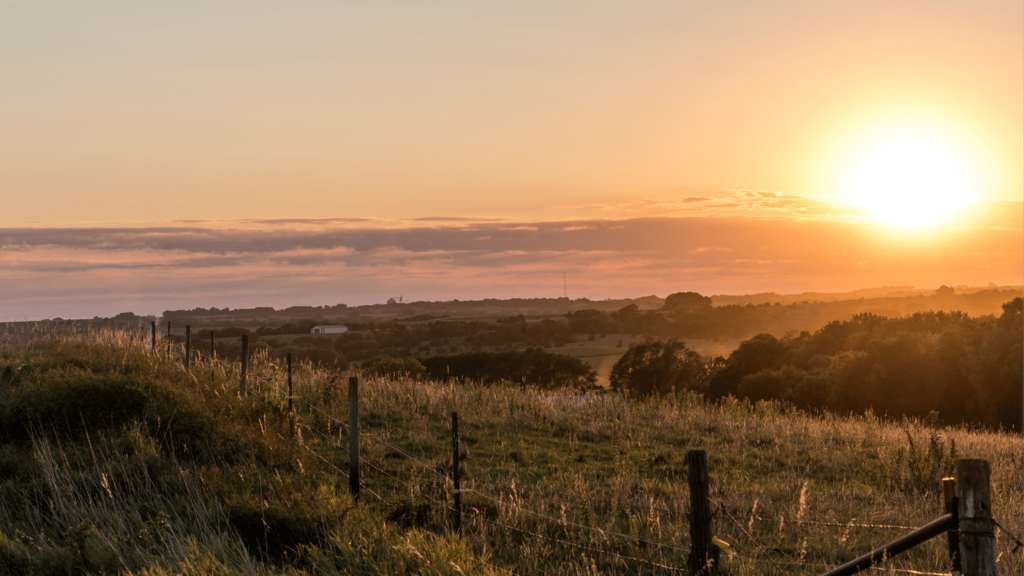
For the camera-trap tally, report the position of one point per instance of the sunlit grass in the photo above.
(196, 480)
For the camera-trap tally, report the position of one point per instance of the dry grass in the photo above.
(592, 485)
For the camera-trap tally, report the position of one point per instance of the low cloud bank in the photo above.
(76, 272)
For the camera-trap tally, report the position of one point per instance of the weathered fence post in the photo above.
(245, 365)
(168, 339)
(152, 345)
(353, 436)
(703, 554)
(212, 351)
(457, 496)
(977, 531)
(188, 347)
(291, 415)
(951, 502)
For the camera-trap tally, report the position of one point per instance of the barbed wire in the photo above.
(909, 571)
(573, 544)
(435, 470)
(482, 517)
(308, 449)
(581, 526)
(837, 524)
(1016, 540)
(390, 445)
(325, 414)
(721, 506)
(580, 496)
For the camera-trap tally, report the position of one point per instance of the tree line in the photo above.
(967, 370)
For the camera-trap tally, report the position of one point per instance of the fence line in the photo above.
(433, 468)
(582, 526)
(721, 506)
(977, 484)
(582, 497)
(472, 512)
(573, 544)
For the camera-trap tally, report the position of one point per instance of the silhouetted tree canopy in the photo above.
(531, 366)
(967, 369)
(686, 300)
(658, 367)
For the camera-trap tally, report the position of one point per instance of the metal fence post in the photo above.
(703, 554)
(457, 495)
(977, 531)
(353, 436)
(244, 367)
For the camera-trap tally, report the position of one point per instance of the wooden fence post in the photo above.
(245, 366)
(168, 339)
(353, 436)
(188, 347)
(291, 415)
(212, 353)
(152, 345)
(703, 554)
(951, 502)
(457, 496)
(977, 531)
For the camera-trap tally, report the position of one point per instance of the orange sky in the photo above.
(739, 120)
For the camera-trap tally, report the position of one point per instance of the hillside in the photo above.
(116, 459)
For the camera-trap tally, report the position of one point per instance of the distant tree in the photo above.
(658, 367)
(589, 321)
(944, 291)
(761, 352)
(531, 366)
(681, 300)
(627, 313)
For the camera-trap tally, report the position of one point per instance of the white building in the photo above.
(335, 329)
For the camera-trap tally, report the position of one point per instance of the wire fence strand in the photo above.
(513, 487)
(575, 545)
(580, 526)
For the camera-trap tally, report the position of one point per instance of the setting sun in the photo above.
(911, 181)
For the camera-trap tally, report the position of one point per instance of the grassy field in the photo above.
(116, 460)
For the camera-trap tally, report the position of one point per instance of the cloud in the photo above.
(721, 250)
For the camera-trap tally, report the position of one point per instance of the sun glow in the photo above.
(911, 181)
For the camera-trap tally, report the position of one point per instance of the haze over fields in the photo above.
(256, 154)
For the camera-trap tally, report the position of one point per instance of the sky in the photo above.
(176, 155)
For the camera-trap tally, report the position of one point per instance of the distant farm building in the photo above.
(335, 329)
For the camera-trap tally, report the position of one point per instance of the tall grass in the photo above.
(186, 477)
